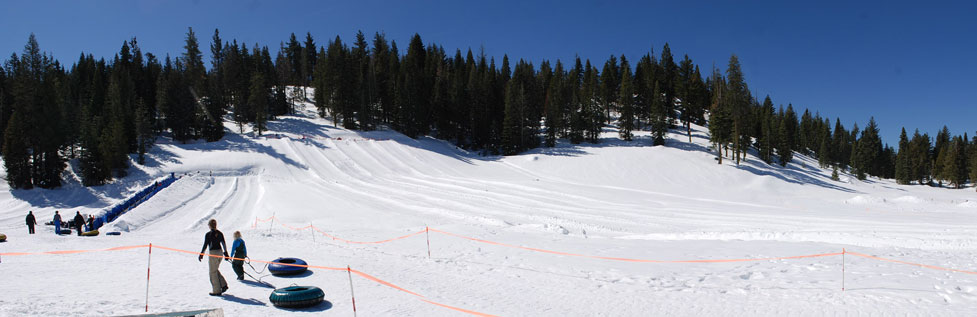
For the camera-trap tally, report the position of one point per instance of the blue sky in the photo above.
(906, 64)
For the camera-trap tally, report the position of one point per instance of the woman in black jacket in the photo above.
(214, 240)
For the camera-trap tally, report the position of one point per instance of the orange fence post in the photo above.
(312, 231)
(148, 262)
(428, 237)
(272, 221)
(351, 295)
(843, 269)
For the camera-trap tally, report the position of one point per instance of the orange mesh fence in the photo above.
(128, 247)
(367, 242)
(338, 238)
(634, 260)
(934, 267)
(424, 299)
(358, 273)
(556, 252)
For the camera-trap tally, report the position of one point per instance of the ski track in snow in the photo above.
(611, 200)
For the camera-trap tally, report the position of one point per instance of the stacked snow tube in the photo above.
(90, 233)
(297, 296)
(113, 233)
(3, 237)
(278, 268)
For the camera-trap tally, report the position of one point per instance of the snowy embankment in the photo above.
(615, 199)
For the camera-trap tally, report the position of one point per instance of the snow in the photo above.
(613, 199)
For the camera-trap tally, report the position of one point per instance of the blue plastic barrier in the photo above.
(113, 213)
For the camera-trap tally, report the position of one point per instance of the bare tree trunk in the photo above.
(719, 153)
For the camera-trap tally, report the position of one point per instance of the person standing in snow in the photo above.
(57, 223)
(239, 252)
(31, 221)
(91, 222)
(79, 221)
(214, 240)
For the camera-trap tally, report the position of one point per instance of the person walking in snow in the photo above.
(239, 252)
(31, 221)
(57, 223)
(214, 240)
(79, 221)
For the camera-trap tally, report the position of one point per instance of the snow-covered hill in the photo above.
(613, 199)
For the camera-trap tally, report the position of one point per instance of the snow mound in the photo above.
(865, 200)
(968, 204)
(908, 199)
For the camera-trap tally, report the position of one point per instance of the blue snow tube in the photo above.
(297, 296)
(277, 268)
(113, 233)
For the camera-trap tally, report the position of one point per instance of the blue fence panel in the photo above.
(113, 213)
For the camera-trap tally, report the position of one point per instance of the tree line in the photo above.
(102, 111)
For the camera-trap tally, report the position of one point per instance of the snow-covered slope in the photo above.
(614, 199)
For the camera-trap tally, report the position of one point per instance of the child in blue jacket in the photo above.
(238, 252)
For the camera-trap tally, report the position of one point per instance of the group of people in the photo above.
(216, 248)
(78, 222)
(214, 245)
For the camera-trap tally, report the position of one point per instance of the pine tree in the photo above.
(841, 147)
(34, 95)
(834, 174)
(310, 58)
(949, 156)
(16, 158)
(667, 81)
(686, 90)
(659, 116)
(217, 92)
(903, 166)
(939, 149)
(145, 136)
(768, 132)
(363, 84)
(555, 103)
(413, 94)
(577, 108)
(258, 101)
(738, 101)
(113, 143)
(973, 161)
(868, 152)
(591, 111)
(512, 126)
(609, 85)
(787, 137)
(823, 160)
(720, 117)
(626, 101)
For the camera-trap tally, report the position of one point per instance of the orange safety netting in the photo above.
(368, 242)
(310, 226)
(128, 247)
(424, 299)
(358, 273)
(635, 260)
(934, 267)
